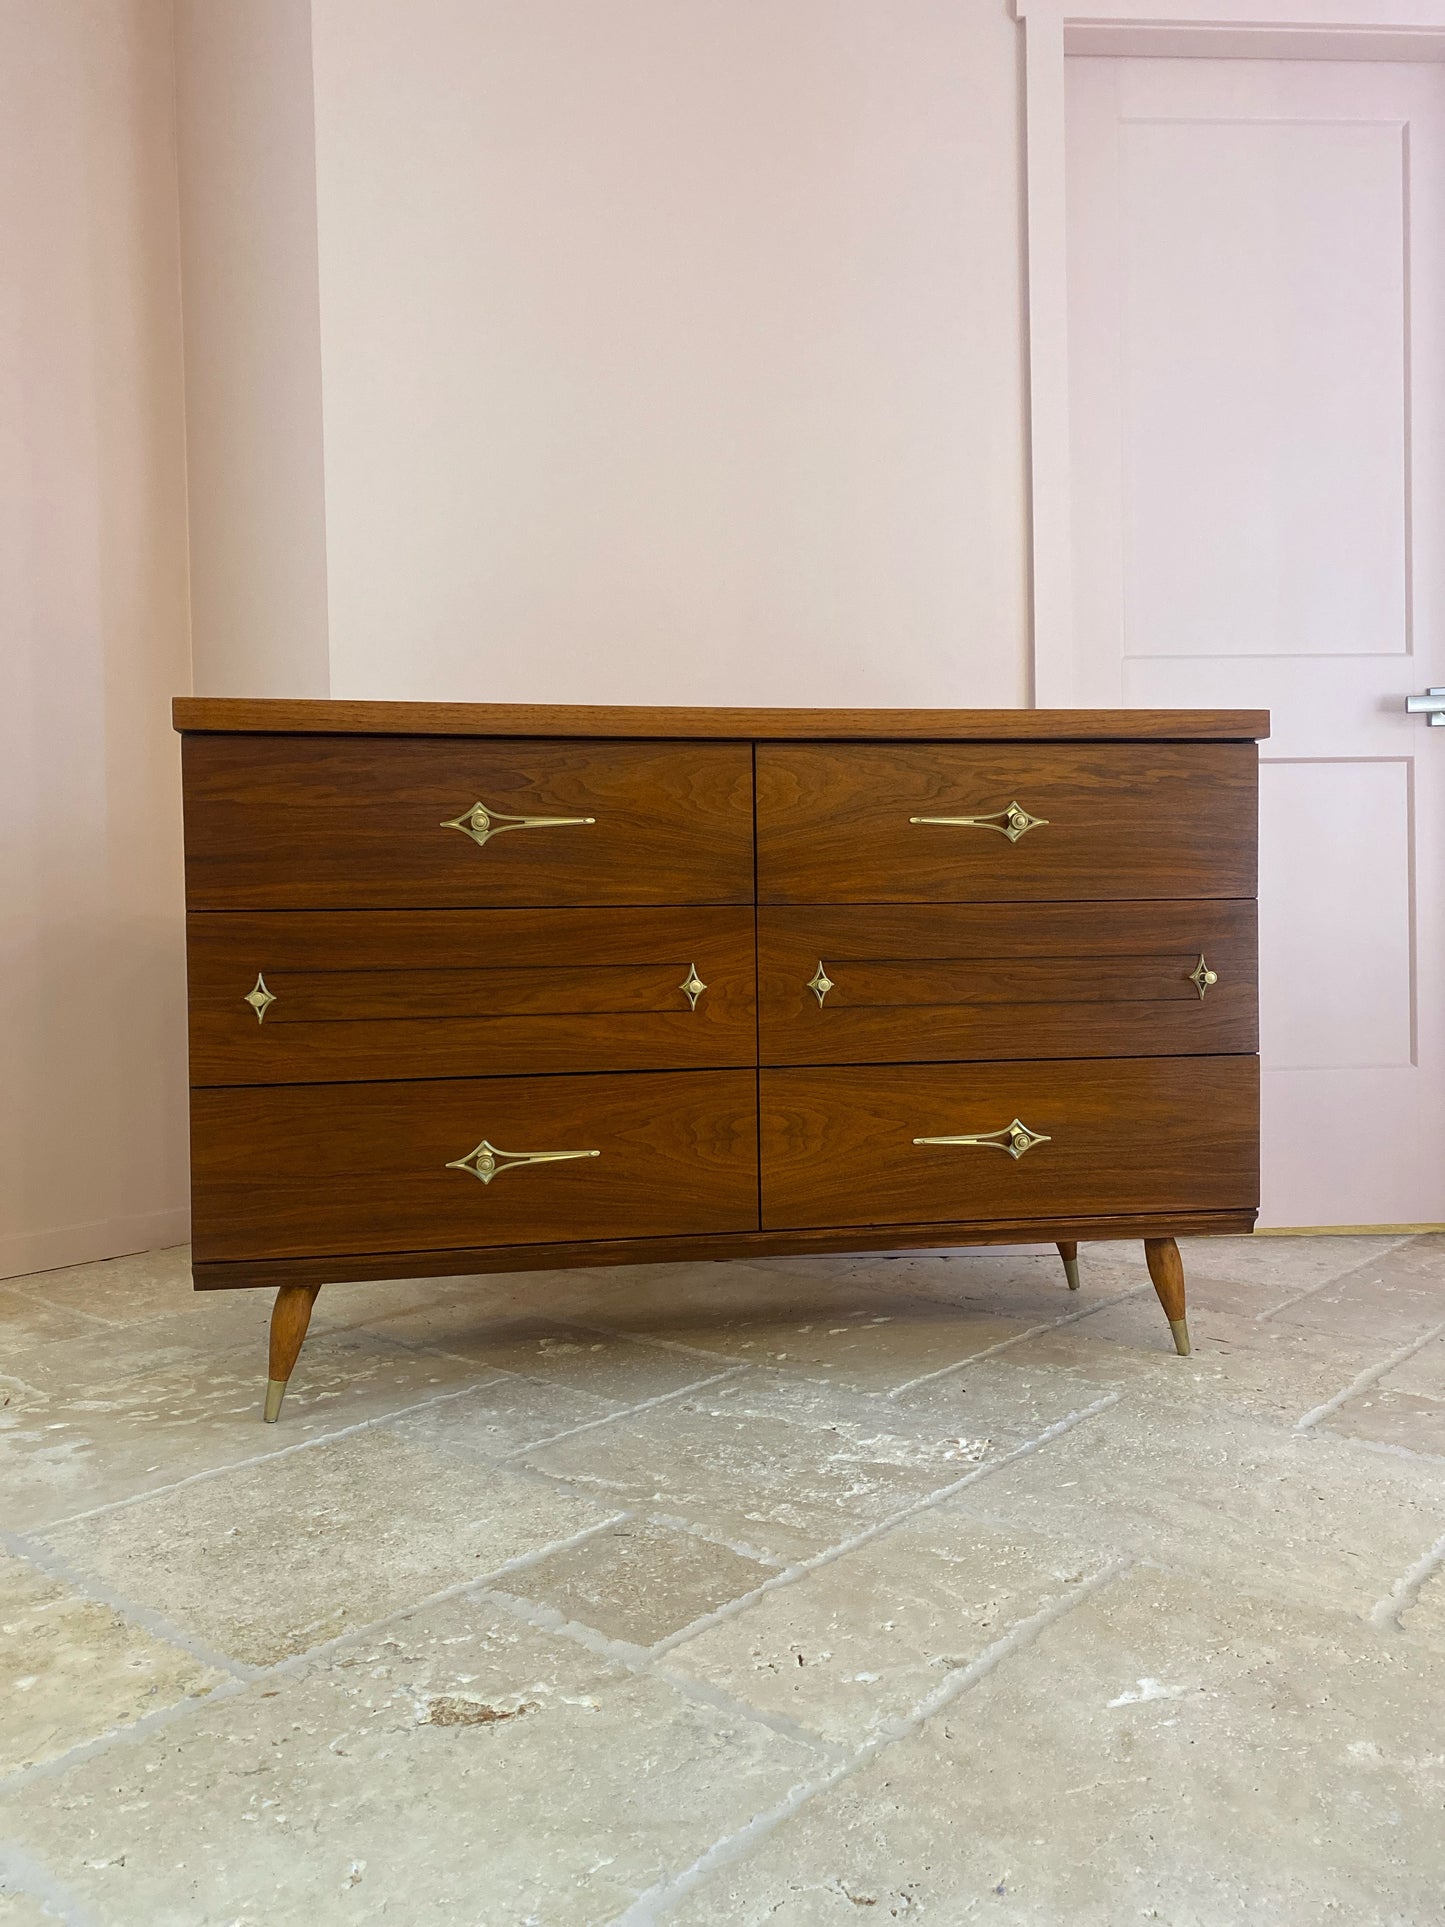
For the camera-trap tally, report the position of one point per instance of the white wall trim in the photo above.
(1229, 29)
(82, 1244)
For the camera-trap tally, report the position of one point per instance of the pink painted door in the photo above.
(1257, 415)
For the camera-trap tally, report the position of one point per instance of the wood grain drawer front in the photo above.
(922, 984)
(947, 822)
(331, 822)
(306, 1170)
(279, 997)
(1158, 1134)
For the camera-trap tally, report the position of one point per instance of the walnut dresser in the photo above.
(491, 988)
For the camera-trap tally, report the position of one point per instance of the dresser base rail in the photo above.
(364, 1267)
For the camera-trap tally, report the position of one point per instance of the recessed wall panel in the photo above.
(1264, 386)
(1335, 892)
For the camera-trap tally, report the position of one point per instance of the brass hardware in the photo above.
(275, 1392)
(820, 983)
(1071, 1272)
(260, 999)
(1013, 822)
(1181, 1336)
(1201, 976)
(1015, 1138)
(480, 823)
(692, 986)
(487, 1162)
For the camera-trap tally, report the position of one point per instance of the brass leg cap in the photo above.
(1181, 1336)
(1071, 1272)
(276, 1391)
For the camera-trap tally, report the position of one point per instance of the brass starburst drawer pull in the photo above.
(487, 1162)
(1015, 1138)
(260, 998)
(692, 986)
(480, 823)
(1012, 822)
(1201, 976)
(820, 983)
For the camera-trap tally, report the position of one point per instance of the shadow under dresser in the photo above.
(499, 987)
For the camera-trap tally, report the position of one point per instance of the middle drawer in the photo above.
(926, 983)
(295, 996)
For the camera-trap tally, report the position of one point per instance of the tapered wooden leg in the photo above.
(1069, 1252)
(1166, 1268)
(290, 1316)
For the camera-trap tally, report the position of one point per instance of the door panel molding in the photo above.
(1220, 29)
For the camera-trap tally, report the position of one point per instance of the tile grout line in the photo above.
(790, 1575)
(1328, 1284)
(259, 1458)
(21, 1873)
(626, 1411)
(660, 1899)
(1018, 1338)
(241, 1675)
(56, 1566)
(294, 1665)
(641, 1661)
(1371, 1375)
(1387, 1614)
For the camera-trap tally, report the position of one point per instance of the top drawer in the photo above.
(960, 823)
(337, 822)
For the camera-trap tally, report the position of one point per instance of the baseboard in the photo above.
(83, 1244)
(1345, 1230)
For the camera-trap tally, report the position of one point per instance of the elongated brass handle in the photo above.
(1013, 822)
(1015, 1138)
(487, 1162)
(480, 823)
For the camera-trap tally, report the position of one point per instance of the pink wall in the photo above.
(247, 166)
(671, 349)
(92, 535)
(648, 350)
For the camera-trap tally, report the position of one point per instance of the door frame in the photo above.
(1217, 29)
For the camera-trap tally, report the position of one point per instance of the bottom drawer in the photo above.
(306, 1170)
(841, 1147)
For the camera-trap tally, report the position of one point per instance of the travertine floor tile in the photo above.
(1276, 1269)
(1164, 1752)
(1422, 1374)
(863, 1640)
(777, 1466)
(119, 1290)
(271, 1559)
(1425, 1618)
(26, 1321)
(503, 1415)
(71, 1670)
(23, 1910)
(638, 1581)
(1238, 1364)
(1389, 1300)
(1303, 1515)
(1394, 1418)
(460, 1769)
(870, 1343)
(105, 1441)
(601, 1364)
(1249, 1741)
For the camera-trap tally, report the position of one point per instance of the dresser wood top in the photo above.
(245, 715)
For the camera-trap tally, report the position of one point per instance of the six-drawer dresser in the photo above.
(479, 988)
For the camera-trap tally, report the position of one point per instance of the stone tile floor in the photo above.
(797, 1592)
